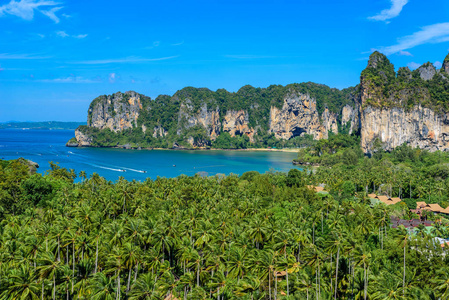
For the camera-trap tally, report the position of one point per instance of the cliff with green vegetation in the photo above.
(404, 107)
(277, 116)
(386, 109)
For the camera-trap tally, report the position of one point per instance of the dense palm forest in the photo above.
(257, 236)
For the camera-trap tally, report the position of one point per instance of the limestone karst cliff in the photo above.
(117, 112)
(197, 117)
(387, 109)
(407, 107)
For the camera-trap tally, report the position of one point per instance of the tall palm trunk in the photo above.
(286, 271)
(54, 286)
(275, 286)
(118, 285)
(269, 284)
(129, 279)
(198, 275)
(136, 272)
(364, 281)
(403, 279)
(336, 273)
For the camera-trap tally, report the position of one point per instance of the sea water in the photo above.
(43, 146)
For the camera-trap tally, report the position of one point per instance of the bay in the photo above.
(43, 146)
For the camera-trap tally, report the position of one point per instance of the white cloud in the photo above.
(131, 59)
(51, 13)
(112, 77)
(25, 9)
(69, 79)
(5, 56)
(62, 34)
(392, 12)
(80, 36)
(436, 33)
(1, 69)
(413, 65)
(438, 64)
(178, 44)
(405, 53)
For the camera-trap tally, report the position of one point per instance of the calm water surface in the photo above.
(43, 146)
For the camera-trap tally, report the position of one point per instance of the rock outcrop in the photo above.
(387, 118)
(159, 131)
(117, 112)
(237, 123)
(299, 115)
(350, 115)
(84, 140)
(209, 119)
(427, 71)
(419, 127)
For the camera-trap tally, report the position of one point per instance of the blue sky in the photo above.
(58, 55)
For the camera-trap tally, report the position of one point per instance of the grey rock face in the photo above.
(419, 127)
(159, 131)
(209, 119)
(237, 123)
(83, 140)
(298, 116)
(427, 71)
(117, 112)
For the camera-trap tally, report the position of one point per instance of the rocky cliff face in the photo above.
(83, 139)
(209, 119)
(116, 112)
(419, 127)
(350, 115)
(388, 109)
(237, 123)
(397, 122)
(299, 115)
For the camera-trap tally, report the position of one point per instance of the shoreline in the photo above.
(289, 150)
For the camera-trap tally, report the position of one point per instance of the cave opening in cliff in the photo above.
(297, 132)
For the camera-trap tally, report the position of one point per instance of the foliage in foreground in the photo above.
(205, 238)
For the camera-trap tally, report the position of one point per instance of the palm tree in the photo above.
(441, 283)
(48, 266)
(247, 286)
(388, 287)
(22, 285)
(144, 288)
(103, 287)
(402, 237)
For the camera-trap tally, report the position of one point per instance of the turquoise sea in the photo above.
(43, 146)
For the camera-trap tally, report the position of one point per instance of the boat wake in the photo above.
(106, 168)
(134, 170)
